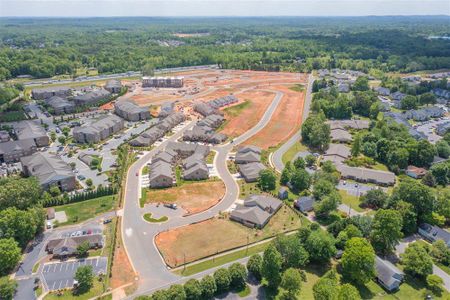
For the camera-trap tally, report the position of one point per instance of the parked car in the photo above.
(107, 221)
(171, 205)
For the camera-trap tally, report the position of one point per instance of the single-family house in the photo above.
(388, 275)
(248, 154)
(434, 233)
(250, 172)
(305, 204)
(256, 211)
(415, 172)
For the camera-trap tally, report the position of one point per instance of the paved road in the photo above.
(277, 156)
(138, 235)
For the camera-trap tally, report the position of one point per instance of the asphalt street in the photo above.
(138, 235)
(277, 156)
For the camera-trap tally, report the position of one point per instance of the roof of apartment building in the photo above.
(101, 124)
(337, 153)
(160, 168)
(382, 177)
(129, 107)
(355, 124)
(47, 167)
(94, 95)
(59, 102)
(113, 83)
(29, 129)
(340, 135)
(19, 145)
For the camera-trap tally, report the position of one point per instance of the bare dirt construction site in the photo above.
(194, 197)
(216, 235)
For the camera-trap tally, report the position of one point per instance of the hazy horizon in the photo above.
(222, 8)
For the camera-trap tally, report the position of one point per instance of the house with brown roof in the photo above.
(415, 172)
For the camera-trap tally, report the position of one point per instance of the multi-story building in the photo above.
(99, 130)
(163, 82)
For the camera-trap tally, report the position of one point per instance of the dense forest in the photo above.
(46, 47)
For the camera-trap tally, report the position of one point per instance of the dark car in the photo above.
(107, 221)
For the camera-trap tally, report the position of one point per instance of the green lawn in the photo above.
(350, 200)
(221, 260)
(84, 210)
(289, 155)
(235, 110)
(297, 88)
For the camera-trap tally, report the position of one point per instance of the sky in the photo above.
(104, 8)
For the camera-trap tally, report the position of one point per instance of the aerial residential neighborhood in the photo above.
(200, 158)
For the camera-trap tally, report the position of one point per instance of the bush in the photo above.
(238, 274)
(254, 266)
(222, 279)
(435, 283)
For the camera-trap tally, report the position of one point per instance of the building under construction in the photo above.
(162, 82)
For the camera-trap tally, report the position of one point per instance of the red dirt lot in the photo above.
(285, 121)
(249, 116)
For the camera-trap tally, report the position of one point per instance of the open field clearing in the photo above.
(285, 121)
(194, 197)
(240, 119)
(216, 235)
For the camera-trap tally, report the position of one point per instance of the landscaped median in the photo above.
(148, 217)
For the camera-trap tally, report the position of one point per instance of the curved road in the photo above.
(277, 157)
(138, 235)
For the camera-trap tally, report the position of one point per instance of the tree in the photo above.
(435, 283)
(254, 266)
(271, 266)
(348, 233)
(356, 146)
(310, 160)
(292, 251)
(66, 131)
(85, 277)
(429, 180)
(300, 180)
(427, 98)
(386, 230)
(327, 287)
(286, 175)
(238, 275)
(193, 289)
(443, 149)
(348, 292)
(54, 191)
(7, 288)
(83, 248)
(322, 188)
(422, 153)
(291, 284)
(361, 84)
(267, 180)
(328, 204)
(21, 193)
(22, 225)
(409, 102)
(148, 69)
(11, 255)
(176, 292)
(222, 279)
(375, 198)
(358, 261)
(53, 136)
(89, 182)
(440, 252)
(441, 173)
(417, 261)
(62, 140)
(409, 217)
(299, 163)
(320, 246)
(209, 287)
(315, 132)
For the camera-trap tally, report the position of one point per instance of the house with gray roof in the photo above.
(400, 118)
(48, 92)
(340, 135)
(441, 93)
(343, 88)
(388, 275)
(86, 158)
(185, 150)
(337, 153)
(64, 247)
(99, 130)
(167, 156)
(443, 128)
(256, 211)
(398, 96)
(346, 124)
(425, 113)
(382, 91)
(434, 233)
(32, 129)
(166, 109)
(12, 151)
(60, 105)
(223, 101)
(204, 134)
(4, 136)
(384, 178)
(248, 154)
(50, 171)
(204, 109)
(130, 111)
(114, 86)
(195, 169)
(250, 171)
(212, 121)
(161, 175)
(91, 98)
(304, 204)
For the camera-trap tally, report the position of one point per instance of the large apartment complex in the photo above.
(99, 130)
(163, 82)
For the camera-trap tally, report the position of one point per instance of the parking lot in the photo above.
(61, 274)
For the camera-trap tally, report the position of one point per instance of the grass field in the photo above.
(350, 200)
(148, 217)
(189, 244)
(192, 196)
(289, 155)
(95, 291)
(81, 211)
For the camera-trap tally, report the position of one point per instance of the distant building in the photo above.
(443, 128)
(283, 193)
(388, 275)
(166, 109)
(163, 82)
(4, 136)
(32, 129)
(204, 109)
(337, 153)
(434, 233)
(256, 211)
(45, 93)
(340, 135)
(382, 91)
(50, 170)
(345, 124)
(364, 175)
(113, 86)
(415, 172)
(91, 98)
(398, 96)
(60, 105)
(98, 131)
(130, 111)
(426, 113)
